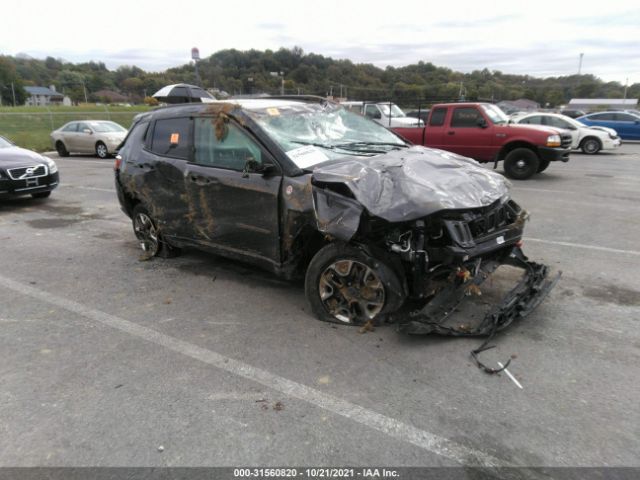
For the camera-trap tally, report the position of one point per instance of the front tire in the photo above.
(543, 165)
(345, 285)
(521, 164)
(590, 146)
(101, 150)
(61, 149)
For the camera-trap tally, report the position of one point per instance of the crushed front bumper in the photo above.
(439, 314)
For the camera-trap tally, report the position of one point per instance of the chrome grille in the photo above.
(565, 140)
(30, 171)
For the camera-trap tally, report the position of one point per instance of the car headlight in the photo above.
(53, 168)
(553, 141)
(612, 136)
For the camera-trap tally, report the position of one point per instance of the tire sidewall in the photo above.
(512, 170)
(61, 148)
(588, 141)
(339, 251)
(106, 151)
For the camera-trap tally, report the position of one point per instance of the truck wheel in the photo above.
(590, 146)
(543, 165)
(521, 163)
(345, 285)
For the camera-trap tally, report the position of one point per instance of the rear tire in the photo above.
(543, 165)
(521, 164)
(345, 285)
(61, 149)
(101, 150)
(590, 146)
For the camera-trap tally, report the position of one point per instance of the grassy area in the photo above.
(29, 127)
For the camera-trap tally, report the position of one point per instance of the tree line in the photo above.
(294, 71)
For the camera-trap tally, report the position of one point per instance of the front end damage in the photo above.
(448, 230)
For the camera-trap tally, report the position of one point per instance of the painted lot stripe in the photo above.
(382, 423)
(97, 189)
(579, 245)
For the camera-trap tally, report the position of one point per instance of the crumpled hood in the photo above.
(16, 157)
(405, 185)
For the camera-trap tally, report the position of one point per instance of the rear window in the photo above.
(172, 137)
(437, 117)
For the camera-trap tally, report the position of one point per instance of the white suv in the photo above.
(588, 139)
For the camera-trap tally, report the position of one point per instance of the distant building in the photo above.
(520, 105)
(594, 104)
(43, 96)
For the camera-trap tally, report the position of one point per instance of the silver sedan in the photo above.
(101, 137)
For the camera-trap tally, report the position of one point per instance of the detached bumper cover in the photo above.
(521, 300)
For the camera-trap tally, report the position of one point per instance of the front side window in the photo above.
(171, 137)
(223, 144)
(465, 117)
(391, 111)
(495, 114)
(556, 122)
(72, 127)
(82, 127)
(602, 117)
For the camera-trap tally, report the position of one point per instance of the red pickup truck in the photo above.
(482, 131)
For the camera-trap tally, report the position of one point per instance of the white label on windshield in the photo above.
(306, 156)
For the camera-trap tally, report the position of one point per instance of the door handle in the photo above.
(451, 132)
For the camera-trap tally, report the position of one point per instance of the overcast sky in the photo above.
(540, 38)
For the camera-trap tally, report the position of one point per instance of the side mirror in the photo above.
(252, 166)
(571, 127)
(377, 115)
(482, 123)
(87, 130)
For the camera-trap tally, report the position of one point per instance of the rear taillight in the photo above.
(118, 162)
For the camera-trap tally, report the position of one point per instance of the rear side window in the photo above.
(172, 137)
(437, 117)
(72, 127)
(136, 137)
(465, 117)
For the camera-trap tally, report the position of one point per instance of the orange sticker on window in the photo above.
(274, 112)
(175, 137)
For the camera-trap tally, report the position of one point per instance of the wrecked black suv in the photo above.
(304, 188)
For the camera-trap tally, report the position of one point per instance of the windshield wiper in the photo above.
(321, 145)
(375, 144)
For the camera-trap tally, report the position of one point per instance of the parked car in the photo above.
(24, 172)
(626, 124)
(99, 137)
(588, 139)
(386, 114)
(483, 132)
(573, 113)
(305, 188)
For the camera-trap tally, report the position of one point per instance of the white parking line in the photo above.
(579, 245)
(82, 187)
(382, 423)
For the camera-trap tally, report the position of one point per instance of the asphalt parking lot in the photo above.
(199, 361)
